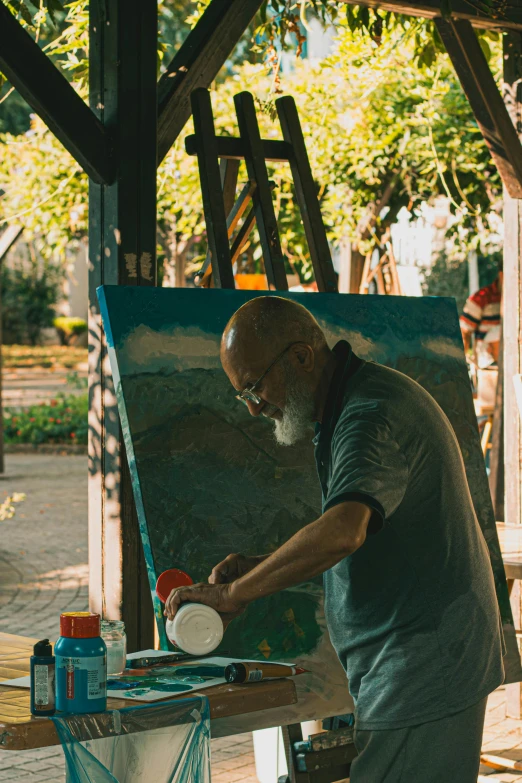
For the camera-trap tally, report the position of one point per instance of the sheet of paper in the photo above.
(148, 694)
(147, 654)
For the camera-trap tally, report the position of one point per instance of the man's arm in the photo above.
(339, 532)
(234, 566)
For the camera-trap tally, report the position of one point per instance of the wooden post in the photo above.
(122, 243)
(512, 331)
(496, 459)
(7, 240)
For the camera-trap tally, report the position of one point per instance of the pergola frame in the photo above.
(131, 124)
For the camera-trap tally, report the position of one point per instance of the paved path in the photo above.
(43, 571)
(502, 737)
(27, 386)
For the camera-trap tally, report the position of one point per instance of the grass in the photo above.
(55, 356)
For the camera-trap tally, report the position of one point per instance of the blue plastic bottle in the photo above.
(81, 664)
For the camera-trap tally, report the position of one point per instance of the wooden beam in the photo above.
(485, 100)
(231, 148)
(122, 249)
(198, 62)
(49, 93)
(510, 18)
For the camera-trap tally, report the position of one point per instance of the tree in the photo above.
(374, 123)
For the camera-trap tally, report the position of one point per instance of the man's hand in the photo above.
(232, 567)
(216, 596)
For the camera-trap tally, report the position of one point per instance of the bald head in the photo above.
(275, 348)
(267, 324)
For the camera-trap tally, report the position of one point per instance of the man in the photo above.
(409, 595)
(481, 318)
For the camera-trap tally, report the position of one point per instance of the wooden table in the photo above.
(19, 730)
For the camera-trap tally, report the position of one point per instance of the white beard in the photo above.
(297, 420)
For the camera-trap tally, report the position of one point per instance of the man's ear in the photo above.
(305, 356)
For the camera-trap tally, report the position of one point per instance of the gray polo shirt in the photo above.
(413, 613)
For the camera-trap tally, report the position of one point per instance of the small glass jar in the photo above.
(113, 634)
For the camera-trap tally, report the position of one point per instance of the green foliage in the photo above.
(14, 113)
(77, 381)
(37, 13)
(29, 294)
(449, 277)
(279, 17)
(63, 420)
(68, 327)
(371, 118)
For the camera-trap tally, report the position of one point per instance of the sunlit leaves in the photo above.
(369, 115)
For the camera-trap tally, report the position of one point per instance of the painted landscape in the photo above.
(209, 479)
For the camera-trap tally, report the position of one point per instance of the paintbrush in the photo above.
(170, 659)
(212, 670)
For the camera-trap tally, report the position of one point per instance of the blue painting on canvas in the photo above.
(209, 479)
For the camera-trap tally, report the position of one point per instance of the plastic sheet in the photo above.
(168, 742)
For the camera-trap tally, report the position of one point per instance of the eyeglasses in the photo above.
(248, 394)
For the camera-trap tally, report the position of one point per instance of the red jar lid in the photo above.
(169, 580)
(79, 625)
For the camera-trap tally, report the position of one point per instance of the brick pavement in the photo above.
(502, 737)
(43, 570)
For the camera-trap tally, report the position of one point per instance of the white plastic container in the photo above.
(196, 629)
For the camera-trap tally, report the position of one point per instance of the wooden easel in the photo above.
(384, 273)
(219, 158)
(328, 757)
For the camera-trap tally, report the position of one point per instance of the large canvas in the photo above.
(209, 479)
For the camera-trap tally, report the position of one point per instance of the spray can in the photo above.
(81, 664)
(42, 679)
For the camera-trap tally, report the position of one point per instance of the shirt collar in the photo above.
(347, 364)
